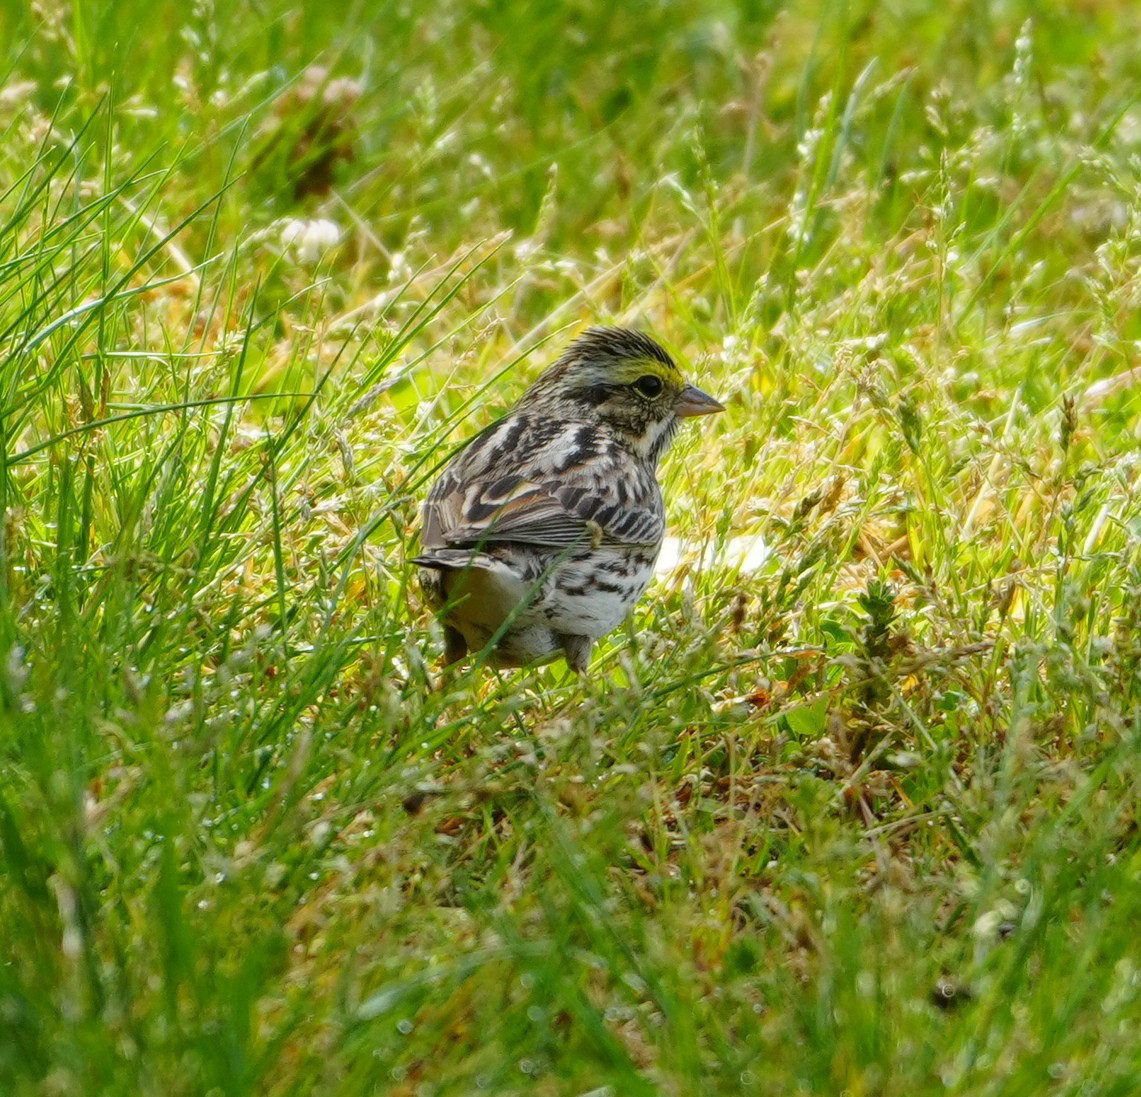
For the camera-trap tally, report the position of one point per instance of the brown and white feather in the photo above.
(542, 532)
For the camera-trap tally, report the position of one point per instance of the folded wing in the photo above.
(534, 493)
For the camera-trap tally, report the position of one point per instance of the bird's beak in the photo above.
(693, 401)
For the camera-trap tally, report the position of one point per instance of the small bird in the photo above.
(541, 534)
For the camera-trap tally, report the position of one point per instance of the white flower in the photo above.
(309, 240)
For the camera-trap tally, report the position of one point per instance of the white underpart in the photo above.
(744, 554)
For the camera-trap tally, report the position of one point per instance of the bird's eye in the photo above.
(649, 385)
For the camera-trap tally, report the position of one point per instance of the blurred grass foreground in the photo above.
(850, 807)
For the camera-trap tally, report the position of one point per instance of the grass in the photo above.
(862, 819)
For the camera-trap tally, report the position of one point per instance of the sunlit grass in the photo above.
(854, 813)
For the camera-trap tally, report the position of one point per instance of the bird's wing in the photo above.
(549, 485)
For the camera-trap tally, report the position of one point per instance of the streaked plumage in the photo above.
(544, 529)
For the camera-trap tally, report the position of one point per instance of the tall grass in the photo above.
(858, 815)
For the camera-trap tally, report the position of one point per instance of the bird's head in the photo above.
(626, 380)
